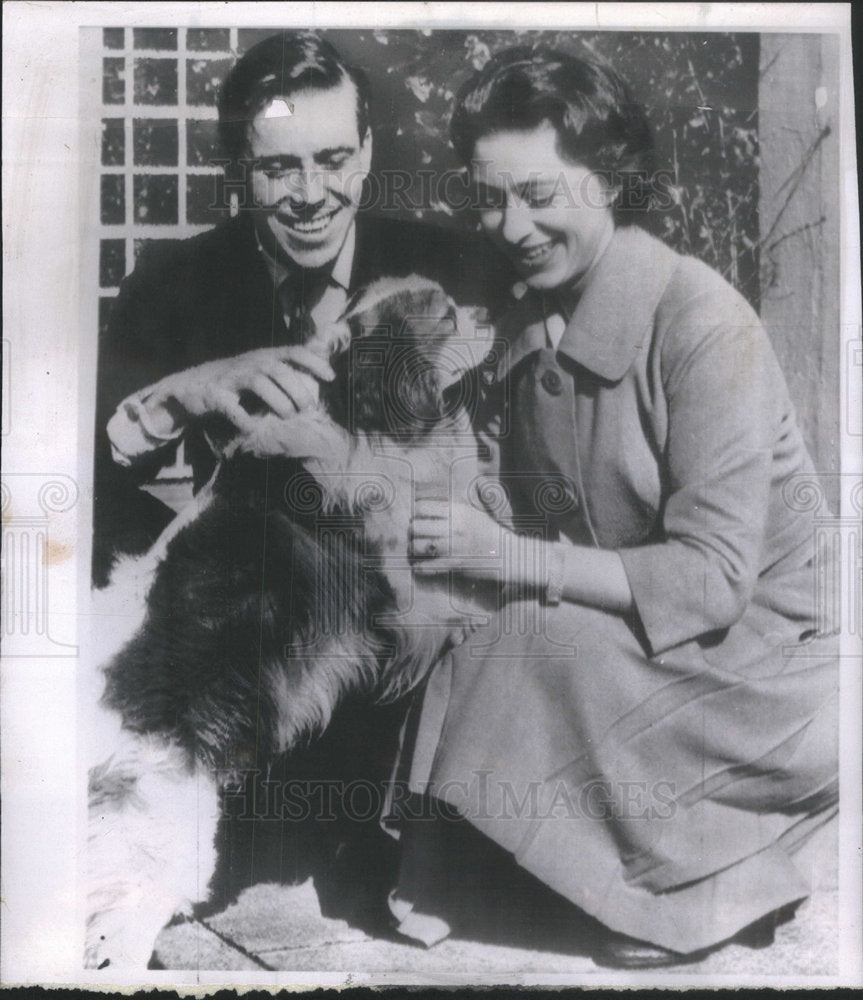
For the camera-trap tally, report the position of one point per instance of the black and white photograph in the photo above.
(432, 496)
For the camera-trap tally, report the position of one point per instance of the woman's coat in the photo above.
(657, 769)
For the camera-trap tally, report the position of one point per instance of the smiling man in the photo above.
(308, 164)
(216, 326)
(214, 329)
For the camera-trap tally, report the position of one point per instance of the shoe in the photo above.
(619, 951)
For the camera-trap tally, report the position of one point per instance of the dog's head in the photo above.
(406, 343)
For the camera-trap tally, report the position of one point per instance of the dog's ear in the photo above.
(472, 346)
(400, 328)
(388, 301)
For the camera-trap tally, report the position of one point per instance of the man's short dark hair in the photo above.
(598, 123)
(279, 66)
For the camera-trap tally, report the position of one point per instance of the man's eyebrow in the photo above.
(279, 160)
(327, 154)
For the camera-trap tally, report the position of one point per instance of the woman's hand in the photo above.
(459, 537)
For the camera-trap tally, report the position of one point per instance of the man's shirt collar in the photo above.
(340, 275)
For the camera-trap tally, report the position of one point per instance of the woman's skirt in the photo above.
(665, 796)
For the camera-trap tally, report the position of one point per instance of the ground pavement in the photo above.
(332, 921)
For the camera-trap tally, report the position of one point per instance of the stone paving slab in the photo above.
(282, 927)
(280, 914)
(266, 917)
(464, 960)
(190, 945)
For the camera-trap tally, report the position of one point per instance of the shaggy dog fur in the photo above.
(285, 586)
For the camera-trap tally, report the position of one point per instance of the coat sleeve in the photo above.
(134, 352)
(723, 389)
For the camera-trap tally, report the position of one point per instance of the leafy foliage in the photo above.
(700, 89)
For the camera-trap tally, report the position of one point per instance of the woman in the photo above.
(655, 736)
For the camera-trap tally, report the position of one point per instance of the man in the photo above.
(214, 330)
(216, 327)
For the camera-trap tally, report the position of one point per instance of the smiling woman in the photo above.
(642, 430)
(552, 218)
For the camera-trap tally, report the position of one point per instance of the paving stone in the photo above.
(202, 143)
(803, 948)
(277, 917)
(205, 199)
(113, 199)
(155, 38)
(155, 142)
(460, 960)
(806, 946)
(203, 79)
(113, 81)
(113, 142)
(190, 945)
(155, 199)
(112, 262)
(283, 926)
(247, 37)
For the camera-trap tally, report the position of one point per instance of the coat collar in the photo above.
(612, 321)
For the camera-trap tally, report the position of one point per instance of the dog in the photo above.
(284, 587)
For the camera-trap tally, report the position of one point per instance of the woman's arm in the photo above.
(462, 538)
(726, 406)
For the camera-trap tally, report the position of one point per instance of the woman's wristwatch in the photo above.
(556, 574)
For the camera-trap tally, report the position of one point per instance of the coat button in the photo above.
(552, 382)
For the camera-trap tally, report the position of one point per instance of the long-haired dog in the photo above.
(283, 587)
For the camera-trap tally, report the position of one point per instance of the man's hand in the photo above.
(283, 380)
(310, 435)
(277, 383)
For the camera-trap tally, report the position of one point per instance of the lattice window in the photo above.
(160, 169)
(160, 173)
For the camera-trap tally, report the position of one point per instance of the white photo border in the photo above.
(45, 195)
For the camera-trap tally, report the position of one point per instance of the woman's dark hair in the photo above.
(598, 123)
(279, 66)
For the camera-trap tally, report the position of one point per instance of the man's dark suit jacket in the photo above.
(212, 296)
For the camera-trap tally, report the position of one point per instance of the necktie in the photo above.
(299, 294)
